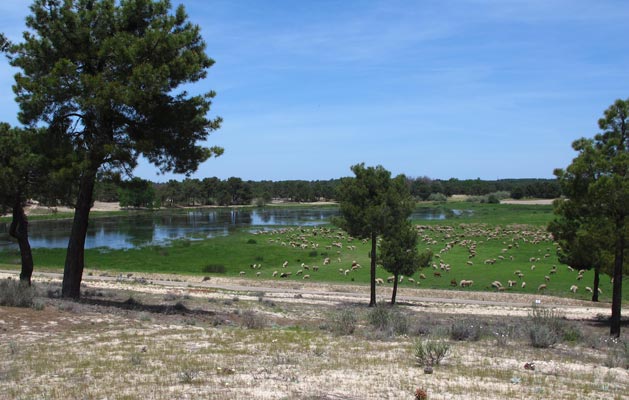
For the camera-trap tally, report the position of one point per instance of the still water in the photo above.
(152, 228)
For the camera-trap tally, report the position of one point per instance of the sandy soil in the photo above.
(141, 336)
(530, 202)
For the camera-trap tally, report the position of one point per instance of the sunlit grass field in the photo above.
(491, 243)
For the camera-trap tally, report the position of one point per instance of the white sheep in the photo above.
(274, 273)
(574, 288)
(588, 289)
(306, 276)
(379, 281)
(285, 264)
(541, 287)
(242, 273)
(523, 285)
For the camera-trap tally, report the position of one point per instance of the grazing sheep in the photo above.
(242, 273)
(437, 274)
(285, 264)
(466, 283)
(315, 268)
(326, 261)
(541, 287)
(306, 276)
(453, 282)
(274, 273)
(411, 280)
(547, 278)
(299, 272)
(579, 277)
(347, 271)
(511, 283)
(422, 276)
(588, 289)
(532, 267)
(600, 291)
(517, 272)
(469, 263)
(258, 273)
(379, 281)
(401, 278)
(496, 284)
(574, 288)
(390, 279)
(285, 274)
(523, 285)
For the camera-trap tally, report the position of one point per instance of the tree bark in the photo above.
(19, 230)
(75, 255)
(597, 279)
(617, 287)
(372, 301)
(395, 281)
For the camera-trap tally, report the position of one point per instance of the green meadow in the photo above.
(491, 243)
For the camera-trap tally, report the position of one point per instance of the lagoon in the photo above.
(161, 227)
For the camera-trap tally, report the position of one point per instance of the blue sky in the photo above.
(464, 88)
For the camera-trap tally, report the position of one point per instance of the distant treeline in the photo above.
(234, 191)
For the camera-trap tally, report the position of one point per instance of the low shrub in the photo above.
(430, 352)
(467, 330)
(343, 322)
(252, 241)
(14, 293)
(251, 320)
(542, 336)
(547, 327)
(388, 320)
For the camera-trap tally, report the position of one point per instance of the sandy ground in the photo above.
(530, 202)
(141, 336)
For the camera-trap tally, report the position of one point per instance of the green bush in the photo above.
(542, 336)
(430, 352)
(437, 197)
(468, 330)
(14, 293)
(388, 320)
(252, 320)
(343, 322)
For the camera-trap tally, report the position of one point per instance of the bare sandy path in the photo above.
(444, 301)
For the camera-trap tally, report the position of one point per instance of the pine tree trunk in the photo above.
(596, 284)
(617, 287)
(395, 281)
(75, 255)
(372, 301)
(19, 230)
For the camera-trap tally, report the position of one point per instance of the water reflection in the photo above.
(135, 230)
(164, 226)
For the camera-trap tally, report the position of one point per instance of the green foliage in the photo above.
(343, 322)
(373, 204)
(105, 76)
(136, 193)
(546, 328)
(592, 225)
(437, 197)
(466, 330)
(388, 320)
(15, 293)
(430, 352)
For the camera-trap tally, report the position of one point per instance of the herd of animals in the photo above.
(519, 255)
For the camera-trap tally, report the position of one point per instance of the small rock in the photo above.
(428, 370)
